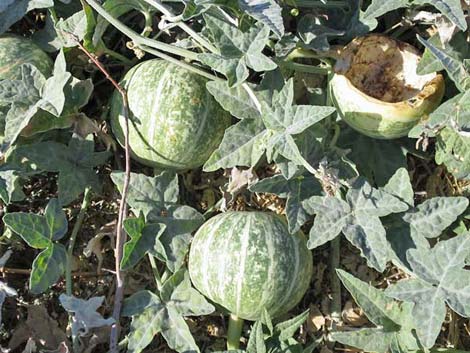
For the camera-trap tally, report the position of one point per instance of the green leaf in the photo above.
(12, 11)
(144, 239)
(295, 190)
(452, 9)
(394, 320)
(456, 69)
(10, 186)
(288, 328)
(157, 199)
(358, 218)
(52, 93)
(399, 185)
(152, 314)
(433, 216)
(75, 164)
(180, 222)
(454, 114)
(267, 12)
(367, 153)
(458, 48)
(453, 151)
(256, 341)
(378, 8)
(283, 121)
(47, 268)
(149, 194)
(439, 279)
(243, 144)
(36, 230)
(238, 50)
(235, 100)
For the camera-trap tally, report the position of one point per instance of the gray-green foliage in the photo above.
(75, 164)
(358, 217)
(394, 331)
(438, 278)
(42, 232)
(156, 198)
(164, 314)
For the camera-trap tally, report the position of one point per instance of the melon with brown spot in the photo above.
(16, 51)
(175, 122)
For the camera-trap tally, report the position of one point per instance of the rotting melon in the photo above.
(16, 51)
(175, 123)
(377, 91)
(248, 261)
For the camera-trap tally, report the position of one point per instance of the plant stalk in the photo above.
(181, 63)
(170, 16)
(139, 39)
(120, 234)
(235, 326)
(335, 309)
(73, 238)
(317, 4)
(156, 274)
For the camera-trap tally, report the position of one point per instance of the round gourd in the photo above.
(377, 91)
(15, 51)
(247, 261)
(175, 122)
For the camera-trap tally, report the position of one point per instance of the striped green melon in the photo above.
(175, 123)
(15, 51)
(247, 261)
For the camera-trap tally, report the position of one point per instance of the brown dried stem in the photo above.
(120, 234)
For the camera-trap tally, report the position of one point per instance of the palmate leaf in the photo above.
(152, 314)
(458, 48)
(243, 144)
(144, 239)
(85, 315)
(30, 95)
(449, 8)
(238, 50)
(453, 151)
(157, 199)
(358, 218)
(455, 68)
(42, 232)
(394, 320)
(295, 190)
(75, 164)
(409, 230)
(439, 278)
(273, 130)
(267, 12)
(284, 120)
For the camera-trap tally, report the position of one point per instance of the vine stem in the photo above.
(170, 16)
(120, 234)
(139, 39)
(234, 332)
(73, 238)
(156, 274)
(316, 4)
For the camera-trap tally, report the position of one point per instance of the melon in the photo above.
(247, 261)
(377, 91)
(16, 51)
(175, 122)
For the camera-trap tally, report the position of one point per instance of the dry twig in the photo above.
(120, 235)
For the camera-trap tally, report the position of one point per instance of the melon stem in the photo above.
(235, 326)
